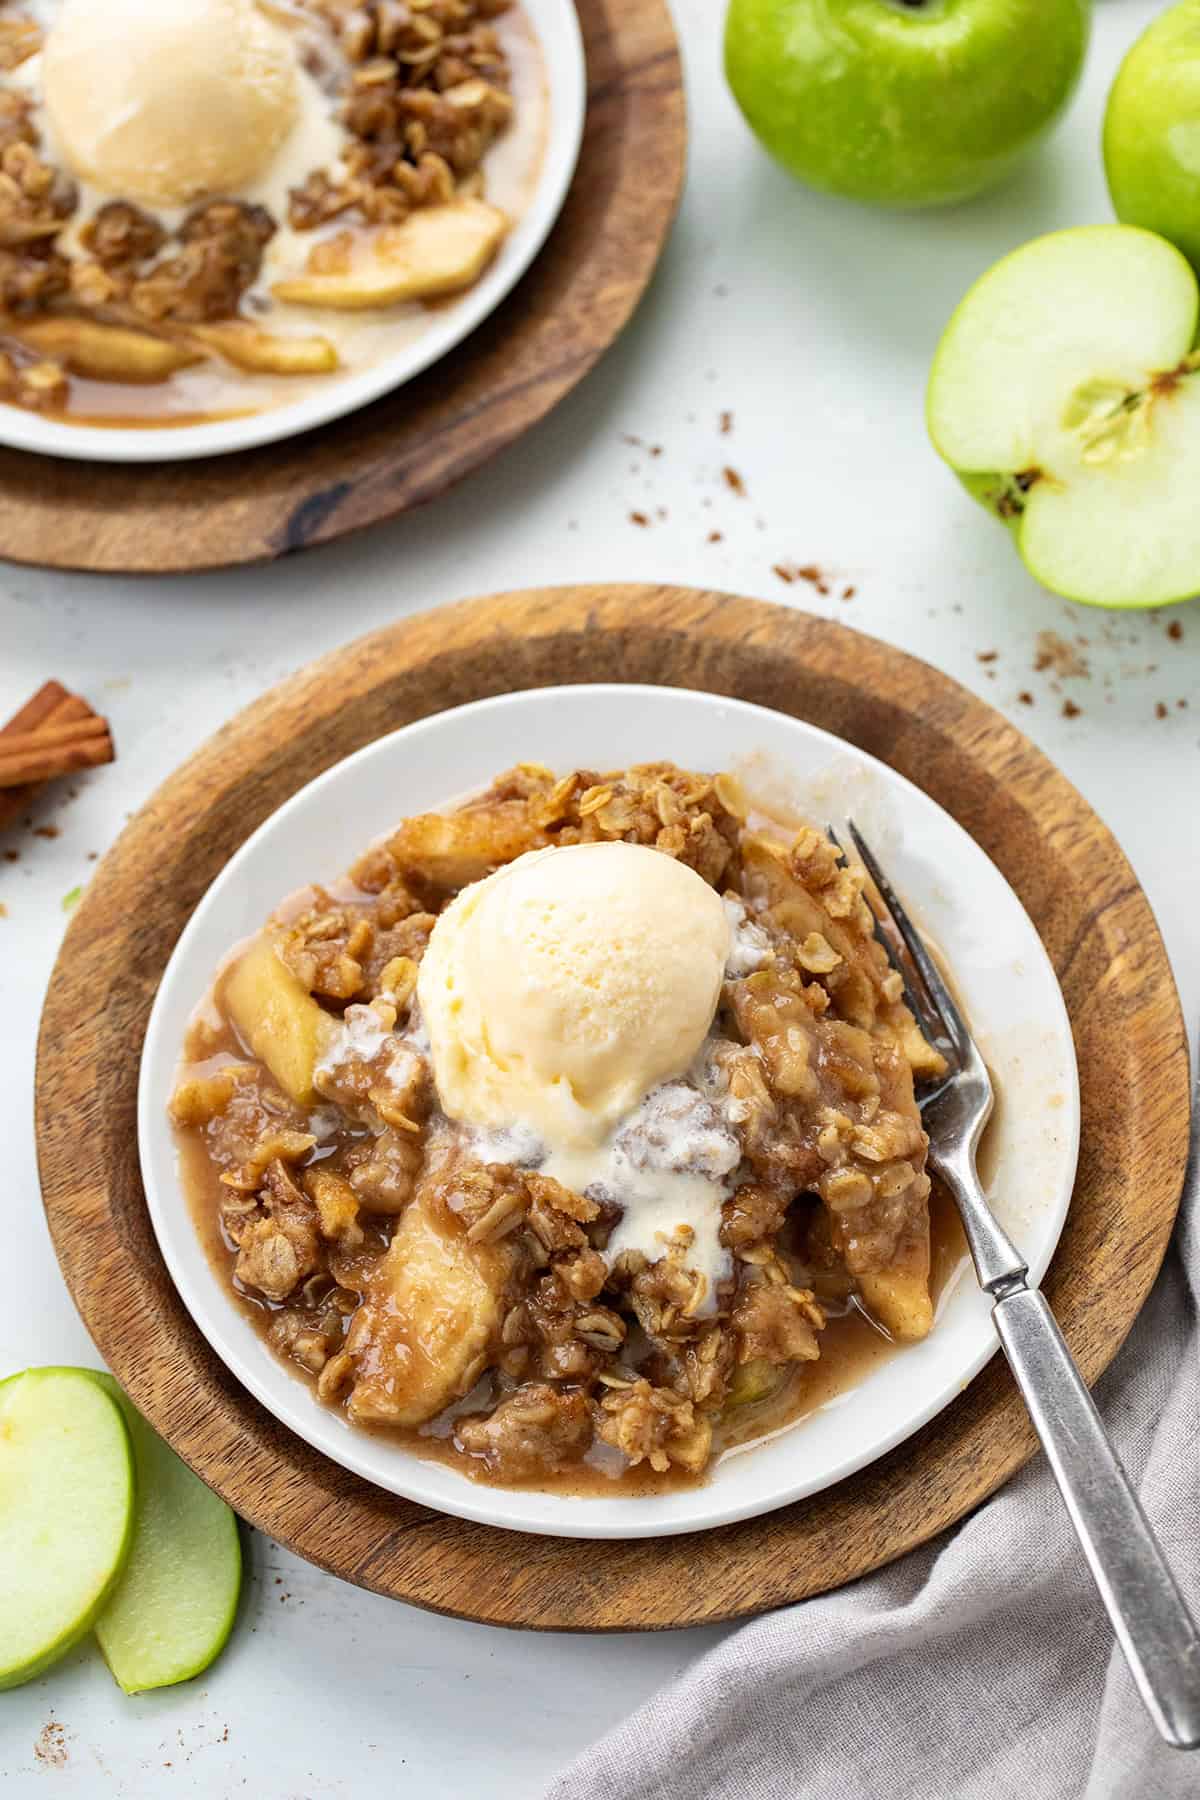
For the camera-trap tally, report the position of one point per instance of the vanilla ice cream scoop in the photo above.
(566, 986)
(170, 100)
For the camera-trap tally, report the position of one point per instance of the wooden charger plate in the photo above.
(415, 443)
(1067, 869)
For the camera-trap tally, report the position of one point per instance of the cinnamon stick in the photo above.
(54, 733)
(30, 767)
(48, 699)
(38, 711)
(48, 736)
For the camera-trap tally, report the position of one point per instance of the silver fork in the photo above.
(1152, 1624)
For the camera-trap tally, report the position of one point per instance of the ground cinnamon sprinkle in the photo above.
(809, 572)
(1175, 631)
(1054, 652)
(726, 423)
(986, 656)
(1025, 697)
(733, 480)
(814, 576)
(716, 537)
(1070, 710)
(1160, 710)
(849, 592)
(51, 1745)
(638, 518)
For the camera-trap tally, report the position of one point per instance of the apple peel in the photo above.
(1150, 130)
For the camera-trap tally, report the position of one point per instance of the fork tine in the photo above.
(952, 1021)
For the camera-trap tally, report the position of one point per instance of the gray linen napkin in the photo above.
(981, 1667)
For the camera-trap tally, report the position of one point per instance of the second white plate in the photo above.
(556, 28)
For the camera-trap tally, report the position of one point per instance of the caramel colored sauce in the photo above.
(116, 405)
(852, 1345)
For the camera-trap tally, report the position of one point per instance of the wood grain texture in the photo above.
(412, 445)
(1062, 861)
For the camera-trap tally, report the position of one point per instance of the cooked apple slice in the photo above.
(429, 1323)
(1066, 395)
(454, 849)
(438, 250)
(264, 352)
(174, 1604)
(104, 352)
(278, 1018)
(66, 1513)
(899, 1298)
(752, 1381)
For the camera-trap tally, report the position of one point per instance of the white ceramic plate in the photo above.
(557, 28)
(1002, 971)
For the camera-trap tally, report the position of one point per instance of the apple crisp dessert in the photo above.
(730, 1246)
(212, 208)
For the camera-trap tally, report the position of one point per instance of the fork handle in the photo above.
(1151, 1621)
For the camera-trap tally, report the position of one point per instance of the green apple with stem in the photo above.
(174, 1605)
(1152, 131)
(903, 102)
(66, 1513)
(1065, 393)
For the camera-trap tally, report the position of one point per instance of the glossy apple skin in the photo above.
(1152, 131)
(903, 106)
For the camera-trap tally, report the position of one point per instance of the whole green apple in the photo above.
(1152, 131)
(903, 104)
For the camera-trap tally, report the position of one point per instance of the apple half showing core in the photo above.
(1065, 394)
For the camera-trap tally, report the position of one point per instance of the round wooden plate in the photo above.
(415, 443)
(1068, 871)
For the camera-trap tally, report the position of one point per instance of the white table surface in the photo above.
(813, 324)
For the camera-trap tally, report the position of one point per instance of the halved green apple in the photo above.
(1065, 393)
(174, 1605)
(66, 1513)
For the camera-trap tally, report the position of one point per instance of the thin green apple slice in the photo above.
(1066, 396)
(66, 1513)
(174, 1606)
